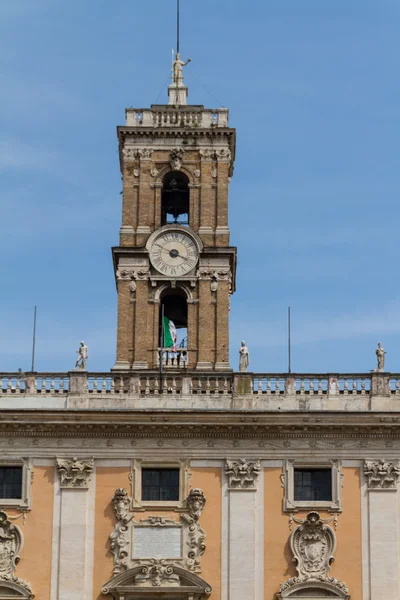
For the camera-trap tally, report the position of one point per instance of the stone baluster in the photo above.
(61, 386)
(320, 387)
(104, 386)
(165, 385)
(208, 386)
(94, 385)
(354, 386)
(44, 385)
(311, 384)
(277, 386)
(363, 386)
(346, 387)
(268, 386)
(302, 386)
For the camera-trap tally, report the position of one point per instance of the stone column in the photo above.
(129, 201)
(73, 533)
(382, 478)
(243, 562)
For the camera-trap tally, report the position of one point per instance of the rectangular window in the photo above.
(312, 485)
(160, 484)
(11, 482)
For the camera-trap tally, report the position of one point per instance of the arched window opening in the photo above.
(175, 199)
(173, 331)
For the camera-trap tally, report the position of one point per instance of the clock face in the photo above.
(174, 253)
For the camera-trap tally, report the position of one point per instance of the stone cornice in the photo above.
(210, 424)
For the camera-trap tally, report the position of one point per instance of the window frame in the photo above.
(292, 505)
(160, 484)
(136, 482)
(25, 502)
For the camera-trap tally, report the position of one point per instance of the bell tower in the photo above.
(174, 257)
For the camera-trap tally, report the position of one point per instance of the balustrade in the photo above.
(162, 117)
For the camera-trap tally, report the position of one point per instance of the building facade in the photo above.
(173, 476)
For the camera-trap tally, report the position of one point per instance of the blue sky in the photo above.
(313, 90)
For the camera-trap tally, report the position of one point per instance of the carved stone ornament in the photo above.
(11, 541)
(154, 172)
(75, 473)
(136, 172)
(161, 578)
(132, 274)
(381, 475)
(214, 172)
(313, 544)
(196, 502)
(176, 158)
(192, 536)
(135, 153)
(242, 475)
(221, 154)
(197, 173)
(214, 274)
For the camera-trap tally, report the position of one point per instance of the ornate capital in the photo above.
(11, 541)
(313, 544)
(220, 154)
(242, 475)
(137, 153)
(176, 158)
(75, 473)
(381, 475)
(196, 502)
(132, 274)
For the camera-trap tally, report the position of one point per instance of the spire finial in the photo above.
(178, 91)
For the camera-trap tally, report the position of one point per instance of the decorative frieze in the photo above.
(11, 542)
(313, 545)
(381, 474)
(132, 274)
(242, 474)
(75, 473)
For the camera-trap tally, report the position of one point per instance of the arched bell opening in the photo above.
(173, 327)
(175, 199)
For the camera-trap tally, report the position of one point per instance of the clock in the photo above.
(173, 252)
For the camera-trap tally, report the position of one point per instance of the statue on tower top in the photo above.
(177, 66)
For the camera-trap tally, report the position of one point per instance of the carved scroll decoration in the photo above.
(75, 473)
(176, 158)
(313, 545)
(193, 536)
(242, 474)
(11, 541)
(381, 475)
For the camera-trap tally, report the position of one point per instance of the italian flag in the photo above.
(169, 334)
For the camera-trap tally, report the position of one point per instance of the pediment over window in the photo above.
(12, 590)
(313, 591)
(167, 581)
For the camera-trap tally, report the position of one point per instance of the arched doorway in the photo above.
(173, 320)
(175, 199)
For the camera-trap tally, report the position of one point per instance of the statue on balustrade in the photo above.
(177, 68)
(244, 360)
(83, 352)
(380, 355)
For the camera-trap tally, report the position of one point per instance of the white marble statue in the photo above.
(177, 68)
(83, 352)
(244, 360)
(380, 355)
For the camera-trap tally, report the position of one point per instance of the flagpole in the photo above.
(161, 345)
(33, 340)
(289, 357)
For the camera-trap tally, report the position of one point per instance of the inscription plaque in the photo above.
(157, 542)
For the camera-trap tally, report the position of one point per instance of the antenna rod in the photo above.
(289, 365)
(177, 26)
(34, 340)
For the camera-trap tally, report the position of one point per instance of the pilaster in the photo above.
(124, 325)
(141, 340)
(206, 327)
(243, 502)
(382, 489)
